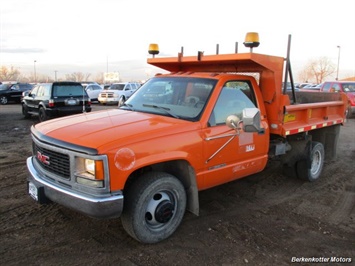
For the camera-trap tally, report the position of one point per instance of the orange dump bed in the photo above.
(308, 112)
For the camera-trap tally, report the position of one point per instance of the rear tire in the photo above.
(316, 159)
(154, 207)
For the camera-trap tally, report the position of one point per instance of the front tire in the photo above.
(154, 207)
(121, 101)
(3, 100)
(25, 111)
(316, 158)
(42, 115)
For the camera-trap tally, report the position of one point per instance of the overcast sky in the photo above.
(94, 36)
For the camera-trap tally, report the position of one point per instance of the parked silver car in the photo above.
(118, 93)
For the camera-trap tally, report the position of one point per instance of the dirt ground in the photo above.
(264, 219)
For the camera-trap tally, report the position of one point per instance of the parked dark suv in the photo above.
(12, 92)
(56, 99)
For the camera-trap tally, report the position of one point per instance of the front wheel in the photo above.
(42, 114)
(121, 101)
(3, 100)
(316, 158)
(25, 111)
(154, 207)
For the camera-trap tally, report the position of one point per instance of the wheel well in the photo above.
(182, 170)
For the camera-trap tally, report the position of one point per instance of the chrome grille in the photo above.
(107, 95)
(57, 163)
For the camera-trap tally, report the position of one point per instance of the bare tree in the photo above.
(77, 76)
(99, 78)
(317, 70)
(9, 74)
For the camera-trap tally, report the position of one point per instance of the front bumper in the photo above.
(103, 206)
(108, 100)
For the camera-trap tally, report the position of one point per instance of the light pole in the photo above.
(338, 62)
(34, 68)
(55, 75)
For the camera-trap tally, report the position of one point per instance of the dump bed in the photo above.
(286, 115)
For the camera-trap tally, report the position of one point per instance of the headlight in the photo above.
(90, 172)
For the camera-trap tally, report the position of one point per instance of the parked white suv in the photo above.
(118, 93)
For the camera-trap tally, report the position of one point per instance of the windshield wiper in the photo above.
(166, 109)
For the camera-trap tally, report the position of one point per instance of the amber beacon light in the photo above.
(153, 49)
(251, 40)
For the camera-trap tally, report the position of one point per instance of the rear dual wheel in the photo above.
(154, 207)
(316, 159)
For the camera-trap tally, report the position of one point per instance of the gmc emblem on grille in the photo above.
(43, 158)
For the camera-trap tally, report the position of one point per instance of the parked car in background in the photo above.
(301, 85)
(118, 93)
(311, 87)
(48, 100)
(93, 90)
(12, 92)
(348, 87)
(105, 86)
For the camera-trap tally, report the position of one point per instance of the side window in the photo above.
(47, 90)
(336, 87)
(15, 87)
(234, 97)
(34, 91)
(40, 91)
(326, 87)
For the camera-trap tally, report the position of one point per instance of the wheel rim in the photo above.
(121, 101)
(3, 100)
(160, 209)
(316, 162)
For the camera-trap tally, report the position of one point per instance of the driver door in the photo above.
(231, 154)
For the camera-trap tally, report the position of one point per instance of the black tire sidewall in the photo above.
(304, 171)
(42, 114)
(136, 202)
(25, 111)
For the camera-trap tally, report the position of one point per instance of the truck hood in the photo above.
(102, 130)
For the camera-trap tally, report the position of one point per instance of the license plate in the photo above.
(71, 102)
(33, 191)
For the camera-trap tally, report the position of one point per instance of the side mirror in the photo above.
(250, 121)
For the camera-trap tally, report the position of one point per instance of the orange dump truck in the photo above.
(211, 120)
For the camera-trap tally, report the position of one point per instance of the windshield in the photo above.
(349, 87)
(119, 87)
(183, 98)
(4, 87)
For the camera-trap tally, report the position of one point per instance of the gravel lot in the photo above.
(264, 219)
